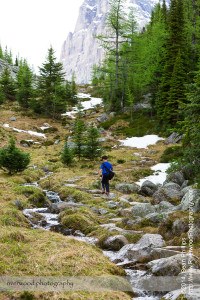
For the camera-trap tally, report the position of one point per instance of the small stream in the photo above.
(51, 219)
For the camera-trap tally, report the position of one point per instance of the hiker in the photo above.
(104, 170)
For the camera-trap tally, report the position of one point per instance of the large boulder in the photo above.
(142, 250)
(102, 118)
(148, 188)
(172, 266)
(115, 242)
(191, 199)
(127, 188)
(173, 138)
(56, 208)
(142, 209)
(165, 206)
(176, 177)
(169, 192)
(156, 217)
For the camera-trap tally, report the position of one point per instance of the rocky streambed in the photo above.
(154, 270)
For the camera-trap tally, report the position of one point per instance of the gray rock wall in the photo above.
(81, 50)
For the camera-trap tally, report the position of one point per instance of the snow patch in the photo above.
(159, 176)
(141, 142)
(29, 131)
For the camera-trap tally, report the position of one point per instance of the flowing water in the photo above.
(51, 220)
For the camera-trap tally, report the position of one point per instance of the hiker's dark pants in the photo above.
(105, 182)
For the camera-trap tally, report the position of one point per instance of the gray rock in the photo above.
(78, 233)
(181, 294)
(102, 118)
(164, 206)
(142, 209)
(102, 140)
(172, 266)
(176, 177)
(96, 191)
(141, 250)
(172, 185)
(148, 188)
(56, 142)
(115, 242)
(168, 193)
(56, 208)
(180, 226)
(156, 217)
(126, 212)
(111, 204)
(61, 229)
(191, 199)
(127, 188)
(126, 198)
(173, 138)
(12, 119)
(112, 114)
(103, 211)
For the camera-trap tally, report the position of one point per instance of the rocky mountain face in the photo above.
(13, 69)
(81, 50)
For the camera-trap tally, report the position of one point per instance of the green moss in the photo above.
(143, 123)
(35, 195)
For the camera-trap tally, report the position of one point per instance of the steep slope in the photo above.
(81, 50)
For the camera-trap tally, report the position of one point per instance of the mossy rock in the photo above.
(82, 219)
(35, 195)
(48, 143)
(50, 130)
(29, 143)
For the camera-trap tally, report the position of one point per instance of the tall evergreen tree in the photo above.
(8, 84)
(51, 86)
(92, 143)
(25, 90)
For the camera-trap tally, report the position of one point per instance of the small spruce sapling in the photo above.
(12, 159)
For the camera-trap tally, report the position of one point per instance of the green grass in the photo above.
(171, 153)
(143, 124)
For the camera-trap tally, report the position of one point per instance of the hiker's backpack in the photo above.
(111, 174)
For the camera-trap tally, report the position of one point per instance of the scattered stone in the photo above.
(78, 233)
(102, 140)
(176, 177)
(115, 242)
(56, 142)
(126, 212)
(102, 118)
(148, 188)
(173, 138)
(56, 208)
(156, 217)
(168, 193)
(103, 211)
(126, 198)
(172, 266)
(61, 229)
(164, 206)
(142, 209)
(180, 226)
(111, 204)
(70, 185)
(94, 191)
(12, 119)
(127, 188)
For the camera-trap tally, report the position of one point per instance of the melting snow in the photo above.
(141, 142)
(29, 131)
(85, 104)
(159, 176)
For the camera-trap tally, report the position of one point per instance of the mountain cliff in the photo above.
(81, 50)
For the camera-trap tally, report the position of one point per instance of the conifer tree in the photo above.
(25, 90)
(92, 143)
(51, 86)
(78, 136)
(12, 159)
(2, 95)
(8, 84)
(67, 155)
